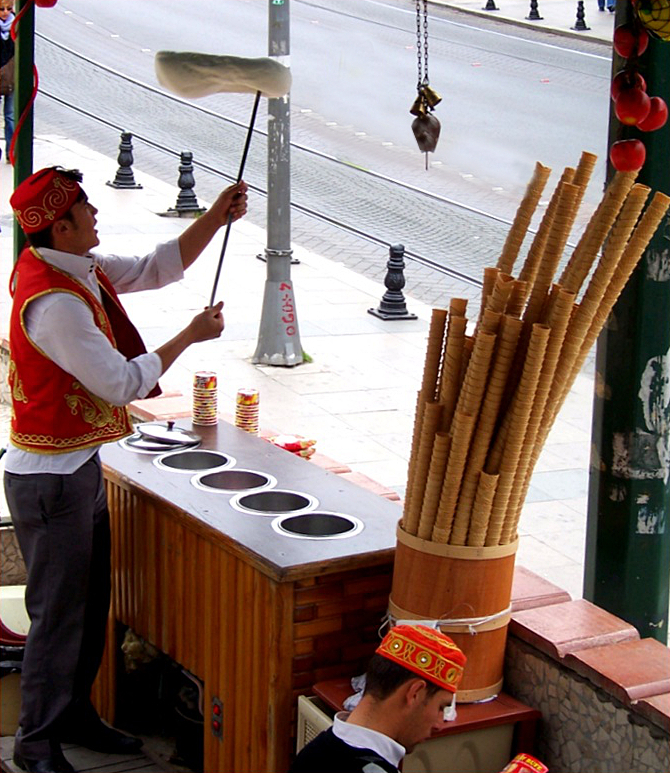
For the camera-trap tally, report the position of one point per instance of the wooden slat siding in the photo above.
(281, 709)
(189, 635)
(177, 631)
(146, 513)
(213, 747)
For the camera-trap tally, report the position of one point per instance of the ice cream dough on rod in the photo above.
(193, 75)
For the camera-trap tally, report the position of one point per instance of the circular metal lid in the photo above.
(167, 433)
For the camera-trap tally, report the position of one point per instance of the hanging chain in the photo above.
(425, 43)
(419, 45)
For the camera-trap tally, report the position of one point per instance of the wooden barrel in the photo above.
(469, 590)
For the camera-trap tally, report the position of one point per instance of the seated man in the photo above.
(412, 678)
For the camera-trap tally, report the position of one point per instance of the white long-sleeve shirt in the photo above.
(63, 327)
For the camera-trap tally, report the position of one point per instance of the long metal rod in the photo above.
(245, 153)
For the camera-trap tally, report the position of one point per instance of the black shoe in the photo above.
(56, 763)
(101, 738)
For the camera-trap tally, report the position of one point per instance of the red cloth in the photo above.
(425, 651)
(52, 412)
(43, 198)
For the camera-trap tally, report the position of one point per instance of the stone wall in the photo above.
(582, 727)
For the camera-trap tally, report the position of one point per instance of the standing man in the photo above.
(410, 682)
(76, 361)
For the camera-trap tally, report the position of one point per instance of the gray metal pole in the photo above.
(279, 336)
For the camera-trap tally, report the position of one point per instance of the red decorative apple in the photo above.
(628, 155)
(627, 79)
(657, 116)
(632, 106)
(630, 41)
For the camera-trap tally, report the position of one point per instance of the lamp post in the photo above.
(279, 335)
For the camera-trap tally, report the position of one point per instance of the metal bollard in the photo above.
(187, 201)
(490, 6)
(392, 305)
(580, 24)
(534, 14)
(124, 174)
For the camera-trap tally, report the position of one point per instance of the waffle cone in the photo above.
(476, 375)
(490, 322)
(490, 276)
(536, 251)
(429, 425)
(416, 434)
(458, 307)
(481, 509)
(499, 296)
(517, 430)
(499, 509)
(433, 351)
(583, 174)
(451, 370)
(553, 252)
(605, 286)
(505, 452)
(488, 414)
(557, 322)
(468, 346)
(517, 298)
(460, 442)
(596, 231)
(522, 218)
(431, 497)
(630, 257)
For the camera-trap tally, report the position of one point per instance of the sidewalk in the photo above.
(356, 398)
(558, 16)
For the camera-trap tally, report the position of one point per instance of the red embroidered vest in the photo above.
(52, 412)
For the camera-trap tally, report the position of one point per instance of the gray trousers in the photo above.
(62, 525)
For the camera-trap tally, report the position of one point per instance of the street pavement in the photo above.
(559, 17)
(357, 396)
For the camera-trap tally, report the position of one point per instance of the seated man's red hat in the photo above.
(427, 652)
(45, 197)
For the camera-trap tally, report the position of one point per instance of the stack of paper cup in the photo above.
(205, 398)
(246, 410)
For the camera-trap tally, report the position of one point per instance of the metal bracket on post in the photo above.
(278, 335)
(124, 174)
(392, 305)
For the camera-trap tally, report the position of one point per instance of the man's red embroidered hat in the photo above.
(44, 197)
(429, 653)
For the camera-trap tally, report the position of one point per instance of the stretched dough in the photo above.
(192, 75)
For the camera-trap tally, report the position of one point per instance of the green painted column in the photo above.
(23, 89)
(628, 535)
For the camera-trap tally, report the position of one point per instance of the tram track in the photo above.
(338, 222)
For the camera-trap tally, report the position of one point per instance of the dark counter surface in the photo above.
(210, 513)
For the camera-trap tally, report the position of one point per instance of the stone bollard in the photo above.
(534, 14)
(580, 24)
(392, 305)
(124, 174)
(187, 201)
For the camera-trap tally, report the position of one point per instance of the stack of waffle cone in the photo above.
(488, 398)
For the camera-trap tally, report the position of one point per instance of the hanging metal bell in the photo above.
(431, 96)
(419, 106)
(426, 129)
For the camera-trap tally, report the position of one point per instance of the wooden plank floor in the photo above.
(86, 760)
